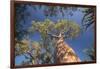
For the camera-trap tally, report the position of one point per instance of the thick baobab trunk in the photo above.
(64, 53)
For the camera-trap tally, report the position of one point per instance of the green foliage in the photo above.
(55, 10)
(90, 52)
(31, 51)
(21, 14)
(89, 17)
(36, 46)
(69, 28)
(21, 47)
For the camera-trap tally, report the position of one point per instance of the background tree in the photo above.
(88, 18)
(90, 52)
(30, 50)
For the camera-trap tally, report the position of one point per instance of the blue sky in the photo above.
(83, 41)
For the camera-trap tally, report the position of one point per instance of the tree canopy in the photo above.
(69, 29)
(22, 14)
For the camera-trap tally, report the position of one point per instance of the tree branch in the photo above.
(52, 35)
